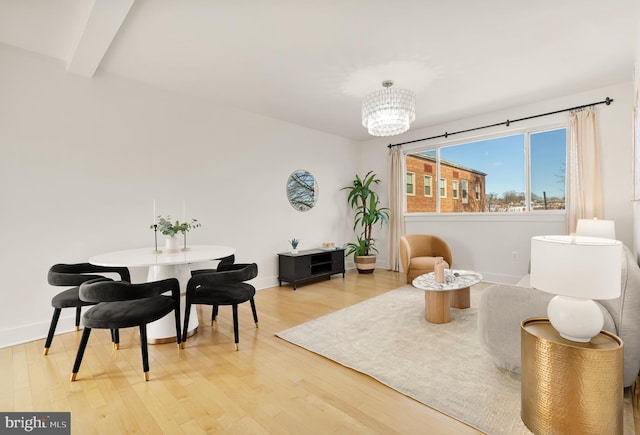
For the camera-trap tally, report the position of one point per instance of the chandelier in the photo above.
(389, 111)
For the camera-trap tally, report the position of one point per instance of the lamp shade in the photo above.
(596, 228)
(389, 111)
(576, 266)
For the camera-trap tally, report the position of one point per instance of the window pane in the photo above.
(465, 193)
(427, 185)
(495, 165)
(421, 164)
(548, 164)
(411, 184)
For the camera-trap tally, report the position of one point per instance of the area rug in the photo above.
(443, 366)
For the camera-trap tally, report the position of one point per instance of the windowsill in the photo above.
(537, 216)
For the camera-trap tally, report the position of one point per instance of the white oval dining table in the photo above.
(161, 266)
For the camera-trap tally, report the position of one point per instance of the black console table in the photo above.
(309, 264)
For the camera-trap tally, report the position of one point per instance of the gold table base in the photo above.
(570, 387)
(170, 339)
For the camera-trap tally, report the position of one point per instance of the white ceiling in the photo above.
(310, 62)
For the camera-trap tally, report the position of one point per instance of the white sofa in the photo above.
(503, 307)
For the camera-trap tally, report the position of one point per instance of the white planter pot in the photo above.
(172, 245)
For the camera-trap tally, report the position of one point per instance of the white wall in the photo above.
(636, 204)
(487, 244)
(637, 65)
(81, 161)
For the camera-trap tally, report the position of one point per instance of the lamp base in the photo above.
(575, 319)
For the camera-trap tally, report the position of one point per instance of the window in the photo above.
(548, 164)
(411, 183)
(427, 185)
(515, 172)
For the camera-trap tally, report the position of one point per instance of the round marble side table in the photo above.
(454, 292)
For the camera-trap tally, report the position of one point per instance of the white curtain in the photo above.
(636, 146)
(396, 218)
(584, 186)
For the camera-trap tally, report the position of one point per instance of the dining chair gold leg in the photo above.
(46, 351)
(116, 346)
(237, 347)
(73, 376)
(256, 324)
(146, 376)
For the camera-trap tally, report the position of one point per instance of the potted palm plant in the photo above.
(368, 212)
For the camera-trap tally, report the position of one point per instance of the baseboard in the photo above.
(500, 278)
(37, 331)
(265, 283)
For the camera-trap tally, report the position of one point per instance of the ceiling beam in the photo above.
(103, 24)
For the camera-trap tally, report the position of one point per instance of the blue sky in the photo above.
(502, 159)
(548, 157)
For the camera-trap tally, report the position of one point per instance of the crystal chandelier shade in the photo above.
(389, 111)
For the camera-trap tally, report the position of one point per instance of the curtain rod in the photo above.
(507, 122)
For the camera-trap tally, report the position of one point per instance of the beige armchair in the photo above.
(418, 254)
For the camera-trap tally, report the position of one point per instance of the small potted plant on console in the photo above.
(294, 245)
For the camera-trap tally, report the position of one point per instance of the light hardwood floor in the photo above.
(269, 386)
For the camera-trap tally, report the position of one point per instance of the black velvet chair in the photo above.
(223, 286)
(125, 305)
(72, 275)
(223, 265)
(224, 262)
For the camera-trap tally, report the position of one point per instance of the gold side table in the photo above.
(570, 387)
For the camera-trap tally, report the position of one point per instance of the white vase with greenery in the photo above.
(171, 229)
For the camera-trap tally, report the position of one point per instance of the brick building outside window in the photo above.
(458, 182)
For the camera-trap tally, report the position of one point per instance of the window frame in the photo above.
(455, 189)
(527, 130)
(442, 187)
